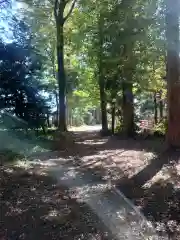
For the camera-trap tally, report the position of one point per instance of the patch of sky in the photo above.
(6, 14)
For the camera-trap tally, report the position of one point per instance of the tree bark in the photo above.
(61, 76)
(113, 108)
(57, 108)
(47, 119)
(101, 79)
(103, 107)
(155, 109)
(59, 8)
(128, 109)
(161, 108)
(173, 93)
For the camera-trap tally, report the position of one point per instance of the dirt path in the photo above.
(81, 202)
(91, 168)
(85, 128)
(143, 171)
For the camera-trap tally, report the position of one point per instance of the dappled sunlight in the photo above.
(8, 170)
(57, 214)
(113, 164)
(99, 156)
(45, 164)
(93, 142)
(158, 198)
(23, 164)
(20, 144)
(69, 174)
(85, 179)
(117, 214)
(86, 128)
(89, 96)
(34, 207)
(169, 173)
(87, 191)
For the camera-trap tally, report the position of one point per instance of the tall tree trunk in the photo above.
(103, 106)
(161, 109)
(70, 117)
(47, 119)
(57, 108)
(155, 109)
(113, 109)
(59, 8)
(101, 79)
(128, 109)
(61, 76)
(173, 94)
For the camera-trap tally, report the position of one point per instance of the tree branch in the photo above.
(4, 3)
(70, 11)
(55, 9)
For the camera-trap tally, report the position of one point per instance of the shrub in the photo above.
(161, 127)
(7, 155)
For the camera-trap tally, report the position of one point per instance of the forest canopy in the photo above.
(99, 61)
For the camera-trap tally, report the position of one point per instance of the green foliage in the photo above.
(8, 156)
(161, 127)
(118, 128)
(133, 41)
(131, 50)
(19, 86)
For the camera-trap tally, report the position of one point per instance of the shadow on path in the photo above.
(158, 202)
(137, 181)
(34, 207)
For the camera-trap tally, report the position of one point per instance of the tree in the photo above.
(48, 19)
(59, 9)
(117, 50)
(20, 85)
(101, 81)
(172, 34)
(4, 3)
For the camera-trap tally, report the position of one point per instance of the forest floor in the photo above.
(56, 194)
